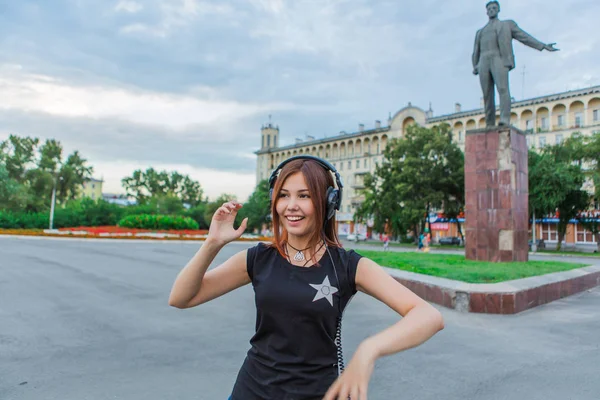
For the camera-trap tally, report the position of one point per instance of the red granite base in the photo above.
(496, 195)
(501, 302)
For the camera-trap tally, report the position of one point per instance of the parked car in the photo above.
(539, 243)
(353, 237)
(450, 240)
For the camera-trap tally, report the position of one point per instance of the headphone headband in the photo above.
(324, 163)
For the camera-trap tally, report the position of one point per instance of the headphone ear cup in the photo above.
(332, 202)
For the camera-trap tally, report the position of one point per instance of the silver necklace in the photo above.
(299, 256)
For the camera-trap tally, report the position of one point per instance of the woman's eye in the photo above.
(305, 196)
(282, 194)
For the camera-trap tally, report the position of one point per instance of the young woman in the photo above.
(302, 283)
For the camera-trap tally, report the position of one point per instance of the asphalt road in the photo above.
(89, 320)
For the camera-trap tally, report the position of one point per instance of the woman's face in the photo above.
(294, 206)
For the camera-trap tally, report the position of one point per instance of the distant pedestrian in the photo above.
(421, 240)
(426, 240)
(386, 242)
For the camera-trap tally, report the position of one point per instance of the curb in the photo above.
(115, 239)
(511, 297)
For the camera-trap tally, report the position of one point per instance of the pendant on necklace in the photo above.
(299, 256)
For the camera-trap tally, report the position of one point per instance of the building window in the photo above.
(549, 232)
(578, 120)
(348, 208)
(460, 136)
(357, 164)
(377, 148)
(529, 125)
(561, 120)
(529, 141)
(268, 141)
(93, 186)
(349, 165)
(583, 236)
(596, 115)
(542, 141)
(559, 139)
(341, 166)
(544, 123)
(365, 163)
(274, 141)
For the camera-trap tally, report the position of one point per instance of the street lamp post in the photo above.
(53, 201)
(534, 242)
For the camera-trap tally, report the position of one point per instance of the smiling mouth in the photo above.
(294, 219)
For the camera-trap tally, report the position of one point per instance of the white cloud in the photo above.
(128, 6)
(213, 182)
(178, 14)
(39, 93)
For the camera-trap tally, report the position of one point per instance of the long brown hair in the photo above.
(318, 180)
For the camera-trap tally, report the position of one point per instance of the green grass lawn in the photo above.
(458, 268)
(569, 253)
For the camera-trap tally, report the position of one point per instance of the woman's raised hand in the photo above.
(221, 227)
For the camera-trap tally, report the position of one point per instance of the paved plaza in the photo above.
(89, 319)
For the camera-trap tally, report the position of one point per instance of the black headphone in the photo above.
(333, 196)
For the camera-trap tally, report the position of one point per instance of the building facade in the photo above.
(546, 120)
(92, 188)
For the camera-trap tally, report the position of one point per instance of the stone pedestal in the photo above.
(496, 195)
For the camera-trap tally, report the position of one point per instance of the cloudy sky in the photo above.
(186, 84)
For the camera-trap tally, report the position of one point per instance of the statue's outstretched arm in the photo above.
(528, 40)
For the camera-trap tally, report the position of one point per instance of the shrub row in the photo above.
(87, 212)
(147, 221)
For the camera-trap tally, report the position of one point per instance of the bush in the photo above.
(24, 220)
(197, 214)
(146, 221)
(81, 212)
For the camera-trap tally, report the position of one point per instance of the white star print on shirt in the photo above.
(324, 291)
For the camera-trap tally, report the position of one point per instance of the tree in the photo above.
(544, 184)
(18, 154)
(13, 196)
(591, 154)
(256, 209)
(421, 171)
(37, 169)
(556, 178)
(144, 185)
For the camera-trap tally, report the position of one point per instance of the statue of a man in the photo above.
(493, 58)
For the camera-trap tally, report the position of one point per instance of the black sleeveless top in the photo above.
(294, 354)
